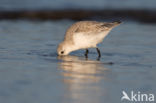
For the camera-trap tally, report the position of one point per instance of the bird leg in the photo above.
(99, 54)
(86, 53)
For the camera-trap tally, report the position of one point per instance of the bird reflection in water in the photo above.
(81, 77)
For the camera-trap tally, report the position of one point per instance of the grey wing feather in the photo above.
(91, 27)
(88, 26)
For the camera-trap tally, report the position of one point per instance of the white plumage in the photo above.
(84, 35)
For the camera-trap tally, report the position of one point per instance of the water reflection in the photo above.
(82, 78)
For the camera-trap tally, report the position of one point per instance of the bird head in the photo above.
(64, 49)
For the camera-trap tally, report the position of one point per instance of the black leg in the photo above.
(98, 50)
(86, 53)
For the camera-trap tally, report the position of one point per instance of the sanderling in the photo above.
(84, 35)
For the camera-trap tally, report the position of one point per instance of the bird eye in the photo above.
(62, 52)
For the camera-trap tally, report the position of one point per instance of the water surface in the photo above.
(31, 72)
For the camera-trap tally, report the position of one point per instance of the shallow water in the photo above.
(31, 72)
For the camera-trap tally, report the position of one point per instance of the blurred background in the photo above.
(13, 5)
(140, 10)
(31, 71)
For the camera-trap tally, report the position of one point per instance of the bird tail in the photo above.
(111, 24)
(116, 23)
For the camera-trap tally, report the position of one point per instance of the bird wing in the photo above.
(92, 26)
(87, 27)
